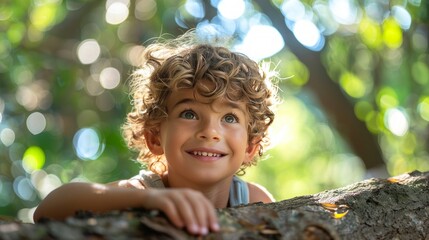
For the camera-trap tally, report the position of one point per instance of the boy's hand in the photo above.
(185, 208)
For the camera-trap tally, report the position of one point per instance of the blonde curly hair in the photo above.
(182, 63)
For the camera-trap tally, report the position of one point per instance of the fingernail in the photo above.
(215, 227)
(193, 228)
(204, 231)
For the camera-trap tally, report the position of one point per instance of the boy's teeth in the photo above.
(205, 154)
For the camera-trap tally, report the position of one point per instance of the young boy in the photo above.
(200, 115)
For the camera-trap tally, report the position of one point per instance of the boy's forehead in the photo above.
(190, 96)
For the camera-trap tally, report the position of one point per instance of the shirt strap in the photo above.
(238, 192)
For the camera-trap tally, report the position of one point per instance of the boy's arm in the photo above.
(184, 207)
(129, 183)
(69, 198)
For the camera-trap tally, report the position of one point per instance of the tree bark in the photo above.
(394, 208)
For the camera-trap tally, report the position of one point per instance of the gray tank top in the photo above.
(238, 193)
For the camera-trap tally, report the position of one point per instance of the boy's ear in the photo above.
(252, 149)
(153, 141)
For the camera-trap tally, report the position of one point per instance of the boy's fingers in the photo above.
(194, 209)
(201, 208)
(206, 214)
(164, 201)
(170, 210)
(186, 208)
(179, 210)
(213, 223)
(211, 217)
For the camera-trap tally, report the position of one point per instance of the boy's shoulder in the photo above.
(149, 179)
(145, 179)
(258, 193)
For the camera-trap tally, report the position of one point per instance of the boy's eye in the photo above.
(188, 114)
(230, 118)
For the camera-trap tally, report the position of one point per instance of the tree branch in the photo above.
(394, 208)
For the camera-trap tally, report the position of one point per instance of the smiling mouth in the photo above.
(206, 154)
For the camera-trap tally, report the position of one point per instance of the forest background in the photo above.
(354, 88)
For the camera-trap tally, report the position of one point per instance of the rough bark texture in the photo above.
(394, 208)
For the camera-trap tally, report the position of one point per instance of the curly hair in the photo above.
(182, 63)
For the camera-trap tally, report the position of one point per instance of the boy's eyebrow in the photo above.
(183, 101)
(227, 103)
(234, 105)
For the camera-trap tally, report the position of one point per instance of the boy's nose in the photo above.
(209, 131)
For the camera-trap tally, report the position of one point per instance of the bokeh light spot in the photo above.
(353, 85)
(423, 108)
(36, 123)
(26, 215)
(373, 120)
(33, 159)
(370, 33)
(362, 109)
(16, 32)
(32, 94)
(145, 9)
(259, 35)
(87, 144)
(7, 136)
(392, 34)
(110, 78)
(344, 11)
(387, 98)
(44, 183)
(293, 10)
(88, 51)
(93, 86)
(195, 8)
(420, 73)
(231, 9)
(116, 13)
(396, 121)
(402, 16)
(5, 13)
(133, 55)
(43, 16)
(23, 188)
(307, 33)
(26, 97)
(22, 74)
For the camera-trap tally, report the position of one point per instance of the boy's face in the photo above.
(204, 142)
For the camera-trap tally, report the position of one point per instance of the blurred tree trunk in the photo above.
(396, 208)
(329, 94)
